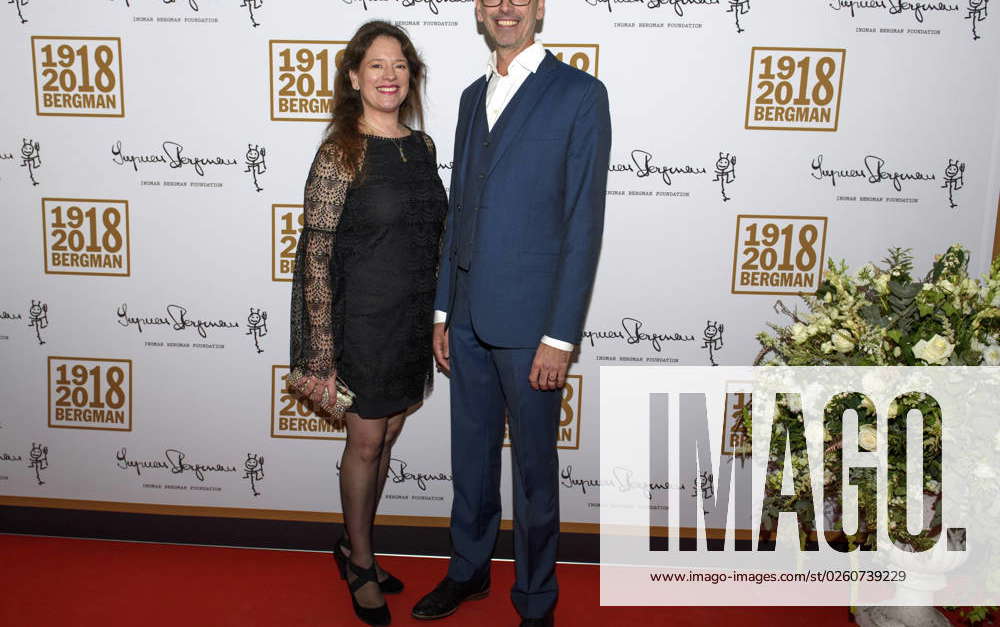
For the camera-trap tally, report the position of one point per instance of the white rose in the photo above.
(842, 341)
(799, 333)
(896, 352)
(827, 347)
(991, 356)
(934, 351)
(868, 404)
(868, 437)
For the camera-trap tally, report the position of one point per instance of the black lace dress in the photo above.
(365, 273)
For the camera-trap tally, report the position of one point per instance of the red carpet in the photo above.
(55, 581)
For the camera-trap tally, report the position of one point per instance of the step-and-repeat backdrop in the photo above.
(152, 160)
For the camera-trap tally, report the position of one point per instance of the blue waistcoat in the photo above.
(481, 148)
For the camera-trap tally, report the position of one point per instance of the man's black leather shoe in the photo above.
(447, 596)
(545, 621)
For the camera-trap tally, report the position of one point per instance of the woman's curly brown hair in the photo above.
(347, 105)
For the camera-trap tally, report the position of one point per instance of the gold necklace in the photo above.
(395, 140)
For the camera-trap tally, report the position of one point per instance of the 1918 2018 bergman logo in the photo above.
(286, 226)
(568, 433)
(291, 417)
(795, 89)
(90, 393)
(585, 57)
(778, 254)
(86, 236)
(78, 76)
(302, 79)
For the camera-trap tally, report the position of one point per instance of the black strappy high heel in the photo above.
(372, 615)
(391, 584)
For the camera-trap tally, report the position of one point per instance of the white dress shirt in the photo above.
(499, 92)
(501, 89)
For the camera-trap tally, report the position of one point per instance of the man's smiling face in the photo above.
(511, 27)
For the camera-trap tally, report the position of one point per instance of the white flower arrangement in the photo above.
(884, 317)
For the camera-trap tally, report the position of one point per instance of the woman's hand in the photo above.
(312, 387)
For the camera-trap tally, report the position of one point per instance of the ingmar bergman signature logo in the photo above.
(173, 155)
(736, 7)
(874, 171)
(249, 5)
(633, 333)
(175, 462)
(642, 164)
(432, 5)
(975, 10)
(399, 473)
(178, 319)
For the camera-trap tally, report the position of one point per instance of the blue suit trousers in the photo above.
(486, 381)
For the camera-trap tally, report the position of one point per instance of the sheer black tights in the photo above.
(364, 467)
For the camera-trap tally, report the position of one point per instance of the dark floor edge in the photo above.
(255, 533)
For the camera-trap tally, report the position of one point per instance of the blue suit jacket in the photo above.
(541, 211)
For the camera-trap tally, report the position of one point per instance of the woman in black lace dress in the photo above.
(363, 288)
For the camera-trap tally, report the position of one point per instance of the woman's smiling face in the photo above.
(384, 75)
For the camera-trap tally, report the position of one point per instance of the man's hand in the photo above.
(548, 370)
(440, 343)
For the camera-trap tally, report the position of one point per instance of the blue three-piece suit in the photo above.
(524, 227)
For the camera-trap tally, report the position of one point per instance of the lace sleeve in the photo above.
(430, 147)
(311, 341)
(432, 151)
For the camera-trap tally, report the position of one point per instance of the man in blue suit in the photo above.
(522, 238)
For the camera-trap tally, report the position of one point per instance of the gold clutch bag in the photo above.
(336, 407)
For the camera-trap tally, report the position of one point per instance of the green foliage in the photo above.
(883, 316)
(974, 615)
